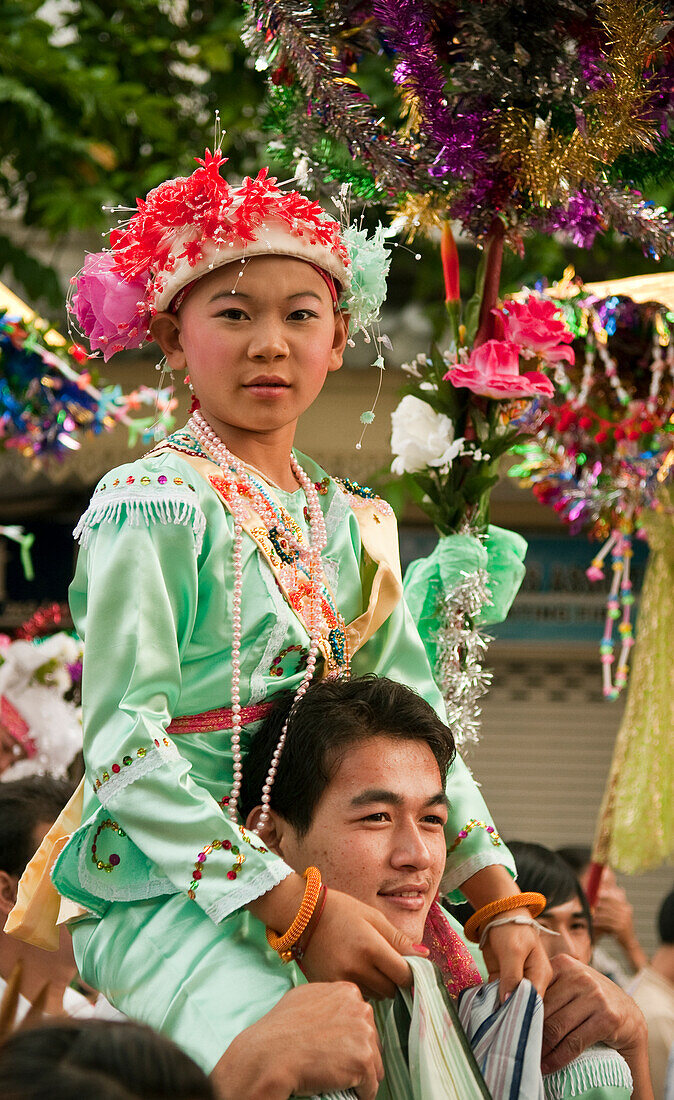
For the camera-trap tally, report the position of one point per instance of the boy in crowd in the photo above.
(612, 916)
(653, 990)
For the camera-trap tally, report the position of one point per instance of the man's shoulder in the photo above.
(653, 992)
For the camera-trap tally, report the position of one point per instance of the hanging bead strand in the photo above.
(217, 450)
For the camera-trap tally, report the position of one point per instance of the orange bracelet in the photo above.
(300, 948)
(535, 903)
(283, 944)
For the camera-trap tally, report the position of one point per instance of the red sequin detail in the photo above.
(206, 204)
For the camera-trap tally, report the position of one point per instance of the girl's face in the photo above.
(258, 340)
(573, 938)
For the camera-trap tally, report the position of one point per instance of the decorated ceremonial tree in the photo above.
(501, 118)
(51, 396)
(602, 459)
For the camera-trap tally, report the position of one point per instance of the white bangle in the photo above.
(517, 918)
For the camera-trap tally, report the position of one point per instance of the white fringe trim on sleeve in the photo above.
(596, 1067)
(142, 506)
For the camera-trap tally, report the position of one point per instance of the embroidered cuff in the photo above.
(455, 876)
(245, 892)
(132, 768)
(468, 828)
(237, 856)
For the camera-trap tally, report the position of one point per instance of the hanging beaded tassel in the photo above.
(461, 649)
(214, 446)
(618, 606)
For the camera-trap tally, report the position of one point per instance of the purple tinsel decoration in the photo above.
(662, 98)
(594, 74)
(460, 136)
(581, 219)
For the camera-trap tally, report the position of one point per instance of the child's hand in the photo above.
(513, 952)
(354, 942)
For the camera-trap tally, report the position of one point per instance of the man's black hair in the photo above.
(666, 920)
(332, 716)
(25, 804)
(108, 1060)
(546, 872)
(578, 856)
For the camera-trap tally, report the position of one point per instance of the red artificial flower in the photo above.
(450, 263)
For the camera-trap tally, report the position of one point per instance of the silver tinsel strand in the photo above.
(461, 649)
(333, 95)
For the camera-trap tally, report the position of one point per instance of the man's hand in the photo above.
(582, 1007)
(612, 915)
(513, 952)
(318, 1038)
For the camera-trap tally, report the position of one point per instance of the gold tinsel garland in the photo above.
(548, 165)
(420, 214)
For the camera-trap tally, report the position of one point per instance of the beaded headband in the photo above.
(191, 225)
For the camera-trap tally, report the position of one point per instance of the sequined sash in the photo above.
(379, 537)
(219, 719)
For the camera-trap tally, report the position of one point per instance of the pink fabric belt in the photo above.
(219, 719)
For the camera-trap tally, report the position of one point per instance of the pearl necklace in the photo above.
(219, 452)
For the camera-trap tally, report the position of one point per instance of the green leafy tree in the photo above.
(100, 100)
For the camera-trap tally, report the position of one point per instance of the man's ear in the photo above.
(165, 330)
(271, 832)
(339, 342)
(8, 888)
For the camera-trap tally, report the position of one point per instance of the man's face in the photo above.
(573, 932)
(377, 831)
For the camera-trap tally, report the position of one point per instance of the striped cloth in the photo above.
(480, 1050)
(425, 1052)
(506, 1039)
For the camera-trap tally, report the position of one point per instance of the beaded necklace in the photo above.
(228, 462)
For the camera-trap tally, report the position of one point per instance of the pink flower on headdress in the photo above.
(536, 326)
(493, 371)
(110, 310)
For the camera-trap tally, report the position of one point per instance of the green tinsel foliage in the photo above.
(286, 107)
(645, 167)
(338, 167)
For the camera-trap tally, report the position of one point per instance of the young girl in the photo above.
(216, 571)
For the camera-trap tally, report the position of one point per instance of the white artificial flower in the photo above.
(421, 437)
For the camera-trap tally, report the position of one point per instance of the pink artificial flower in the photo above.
(493, 371)
(536, 326)
(110, 310)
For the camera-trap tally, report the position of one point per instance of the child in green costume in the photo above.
(219, 569)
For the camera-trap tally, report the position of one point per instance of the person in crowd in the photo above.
(582, 1006)
(97, 1059)
(653, 991)
(28, 808)
(612, 916)
(364, 802)
(218, 570)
